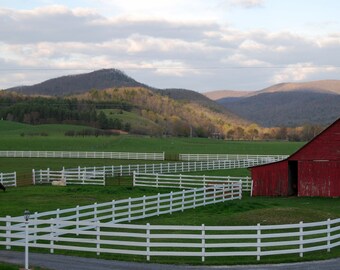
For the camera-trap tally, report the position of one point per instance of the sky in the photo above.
(192, 44)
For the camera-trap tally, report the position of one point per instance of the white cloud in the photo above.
(196, 54)
(299, 72)
(247, 3)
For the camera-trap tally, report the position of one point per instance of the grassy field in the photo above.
(10, 139)
(248, 211)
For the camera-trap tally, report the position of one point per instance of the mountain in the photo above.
(323, 86)
(219, 94)
(286, 104)
(81, 83)
(105, 79)
(109, 99)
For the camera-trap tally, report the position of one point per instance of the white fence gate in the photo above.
(8, 179)
(71, 177)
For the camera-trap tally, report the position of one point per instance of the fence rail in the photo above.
(8, 179)
(64, 154)
(187, 181)
(164, 168)
(170, 240)
(126, 210)
(70, 177)
(202, 157)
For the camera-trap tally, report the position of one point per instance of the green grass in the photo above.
(248, 211)
(46, 197)
(132, 117)
(10, 139)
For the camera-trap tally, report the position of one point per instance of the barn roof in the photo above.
(331, 147)
(308, 144)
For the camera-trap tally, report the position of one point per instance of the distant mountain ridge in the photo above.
(322, 86)
(145, 109)
(285, 104)
(105, 79)
(80, 83)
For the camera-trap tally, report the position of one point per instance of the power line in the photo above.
(172, 67)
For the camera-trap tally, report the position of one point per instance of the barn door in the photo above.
(292, 178)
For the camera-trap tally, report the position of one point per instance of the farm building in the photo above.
(314, 170)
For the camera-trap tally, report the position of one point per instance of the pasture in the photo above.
(248, 211)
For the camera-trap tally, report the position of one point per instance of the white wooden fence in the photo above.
(126, 210)
(64, 154)
(187, 181)
(8, 179)
(119, 211)
(71, 177)
(126, 170)
(170, 240)
(259, 158)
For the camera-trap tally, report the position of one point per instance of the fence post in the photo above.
(240, 190)
(204, 195)
(158, 203)
(134, 179)
(8, 232)
(148, 241)
(232, 185)
(157, 176)
(203, 242)
(52, 235)
(77, 219)
(171, 202)
(33, 176)
(35, 227)
(195, 197)
(98, 237)
(329, 235)
(183, 199)
(258, 241)
(63, 175)
(144, 202)
(95, 212)
(180, 181)
(251, 188)
(215, 193)
(113, 211)
(301, 238)
(129, 209)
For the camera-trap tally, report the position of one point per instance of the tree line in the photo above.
(40, 110)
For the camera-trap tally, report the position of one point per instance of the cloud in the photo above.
(247, 3)
(299, 72)
(194, 54)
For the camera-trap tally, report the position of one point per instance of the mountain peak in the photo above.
(80, 83)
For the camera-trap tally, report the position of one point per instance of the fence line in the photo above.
(65, 154)
(202, 157)
(79, 177)
(126, 210)
(164, 168)
(8, 179)
(187, 181)
(171, 240)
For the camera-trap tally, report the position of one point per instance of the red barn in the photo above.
(314, 170)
